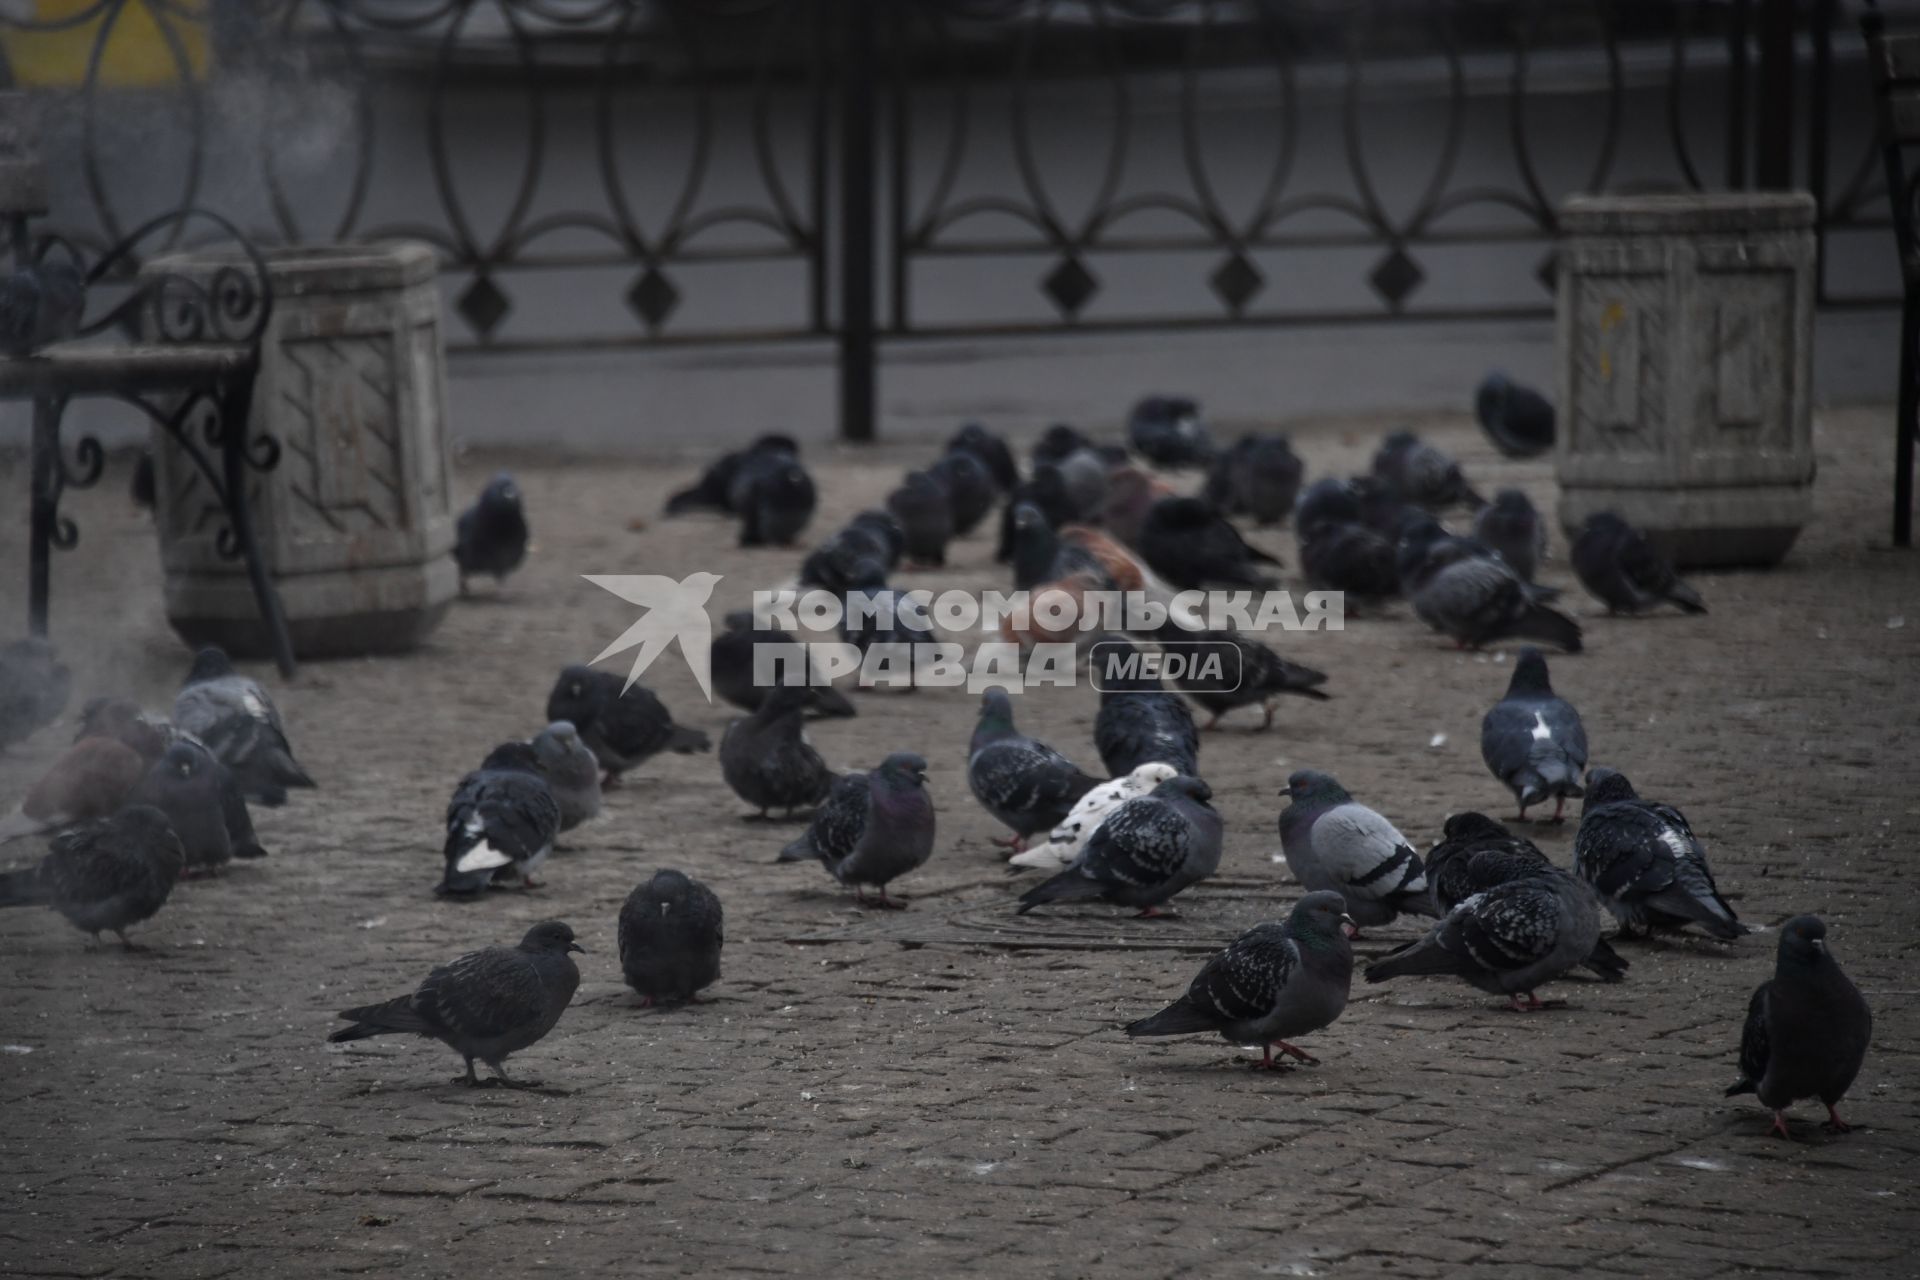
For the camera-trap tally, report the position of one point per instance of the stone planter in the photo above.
(1685, 350)
(355, 522)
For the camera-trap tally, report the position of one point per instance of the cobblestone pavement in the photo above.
(944, 1090)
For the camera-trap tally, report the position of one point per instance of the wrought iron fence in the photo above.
(601, 172)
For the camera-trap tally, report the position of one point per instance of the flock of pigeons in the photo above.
(138, 802)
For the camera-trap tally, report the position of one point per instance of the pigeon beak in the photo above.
(1347, 920)
(1820, 945)
(574, 946)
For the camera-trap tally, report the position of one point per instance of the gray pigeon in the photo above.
(1644, 862)
(1506, 940)
(1140, 722)
(34, 685)
(874, 827)
(1807, 1029)
(1510, 525)
(1333, 842)
(491, 535)
(1274, 983)
(767, 759)
(486, 1005)
(571, 772)
(103, 875)
(1259, 477)
(670, 938)
(1417, 473)
(238, 722)
(1024, 783)
(40, 304)
(1615, 562)
(774, 497)
(971, 492)
(1533, 741)
(1459, 587)
(992, 452)
(1146, 851)
(925, 514)
(1169, 432)
(502, 817)
(124, 722)
(1256, 676)
(622, 729)
(732, 663)
(191, 787)
(720, 484)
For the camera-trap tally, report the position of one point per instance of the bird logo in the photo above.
(674, 611)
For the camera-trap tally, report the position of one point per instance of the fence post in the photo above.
(1773, 119)
(858, 374)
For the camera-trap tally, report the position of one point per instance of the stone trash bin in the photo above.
(1685, 349)
(355, 523)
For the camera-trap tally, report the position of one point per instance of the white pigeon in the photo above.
(1065, 841)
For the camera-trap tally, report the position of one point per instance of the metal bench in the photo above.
(1896, 75)
(191, 374)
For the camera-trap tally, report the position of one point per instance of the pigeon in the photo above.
(1506, 940)
(969, 487)
(1066, 840)
(1190, 544)
(1083, 474)
(1532, 740)
(1058, 443)
(1274, 983)
(502, 816)
(1116, 567)
(123, 721)
(1807, 1029)
(1041, 555)
(1256, 677)
(670, 938)
(1334, 842)
(774, 497)
(1259, 477)
(485, 1005)
(1518, 419)
(1131, 493)
(1168, 432)
(1417, 473)
(925, 516)
(992, 452)
(767, 759)
(622, 729)
(238, 722)
(570, 771)
(732, 658)
(491, 535)
(1350, 558)
(1645, 863)
(1510, 526)
(34, 685)
(1147, 850)
(884, 625)
(40, 304)
(1024, 783)
(104, 875)
(874, 827)
(189, 785)
(1464, 591)
(1046, 492)
(1615, 562)
(714, 491)
(89, 780)
(1140, 722)
(870, 536)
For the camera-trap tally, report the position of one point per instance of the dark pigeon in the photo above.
(1168, 432)
(767, 759)
(1333, 842)
(1510, 525)
(1807, 1029)
(1274, 983)
(34, 686)
(1533, 741)
(570, 772)
(715, 490)
(105, 875)
(1190, 544)
(874, 827)
(1518, 419)
(122, 720)
(486, 1005)
(1146, 851)
(1141, 723)
(992, 452)
(1047, 492)
(491, 535)
(1417, 473)
(40, 304)
(191, 787)
(732, 666)
(1040, 555)
(1617, 564)
(969, 487)
(236, 719)
(1645, 863)
(1256, 677)
(1462, 590)
(1259, 477)
(1058, 443)
(670, 938)
(1350, 558)
(884, 625)
(774, 497)
(90, 779)
(623, 730)
(925, 516)
(870, 536)
(502, 818)
(1506, 940)
(1024, 783)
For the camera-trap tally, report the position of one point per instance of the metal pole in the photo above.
(1740, 20)
(46, 462)
(1773, 131)
(858, 375)
(1908, 421)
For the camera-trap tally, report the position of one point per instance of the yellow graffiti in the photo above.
(140, 45)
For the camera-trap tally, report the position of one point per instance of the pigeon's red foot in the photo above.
(1559, 808)
(1532, 1005)
(1780, 1126)
(1013, 844)
(528, 882)
(1267, 722)
(1292, 1052)
(1267, 1062)
(1157, 913)
(609, 782)
(1834, 1123)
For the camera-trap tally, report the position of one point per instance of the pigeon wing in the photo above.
(1245, 981)
(483, 995)
(1366, 854)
